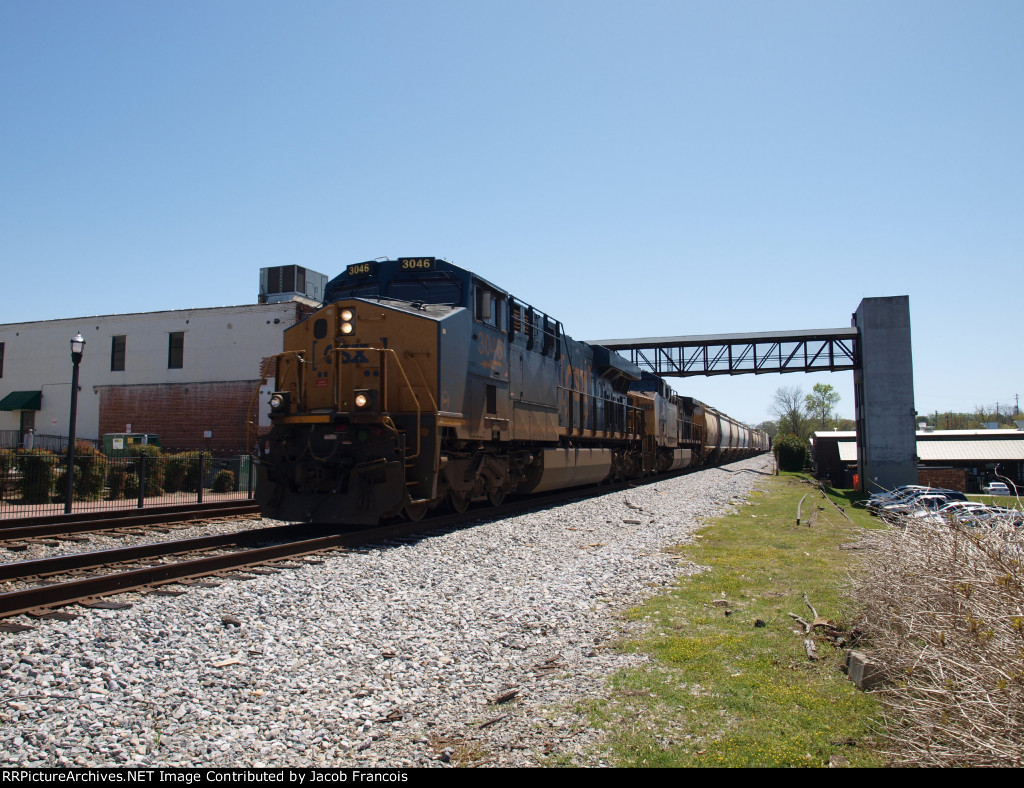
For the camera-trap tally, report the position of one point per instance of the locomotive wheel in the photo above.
(415, 511)
(457, 502)
(496, 496)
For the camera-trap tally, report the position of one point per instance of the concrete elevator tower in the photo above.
(883, 384)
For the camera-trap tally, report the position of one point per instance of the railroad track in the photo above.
(241, 555)
(42, 526)
(244, 550)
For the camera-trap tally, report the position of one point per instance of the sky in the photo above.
(633, 168)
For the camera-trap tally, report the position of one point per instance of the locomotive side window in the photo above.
(496, 302)
(488, 307)
(1, 359)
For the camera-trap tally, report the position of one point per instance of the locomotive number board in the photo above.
(416, 263)
(358, 269)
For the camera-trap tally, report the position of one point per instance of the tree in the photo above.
(771, 428)
(791, 453)
(788, 407)
(821, 402)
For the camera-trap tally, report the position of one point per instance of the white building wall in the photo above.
(221, 344)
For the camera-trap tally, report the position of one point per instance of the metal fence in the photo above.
(35, 482)
(58, 444)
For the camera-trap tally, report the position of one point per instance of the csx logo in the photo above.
(350, 355)
(353, 357)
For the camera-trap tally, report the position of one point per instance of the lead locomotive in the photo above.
(420, 383)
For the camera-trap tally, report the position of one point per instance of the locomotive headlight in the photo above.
(280, 400)
(365, 400)
(348, 317)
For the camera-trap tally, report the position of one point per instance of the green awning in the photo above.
(22, 400)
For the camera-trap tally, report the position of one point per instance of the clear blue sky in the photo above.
(633, 168)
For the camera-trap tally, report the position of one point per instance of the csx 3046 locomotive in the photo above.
(420, 383)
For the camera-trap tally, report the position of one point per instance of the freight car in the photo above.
(420, 383)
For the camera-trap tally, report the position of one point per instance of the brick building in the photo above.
(192, 376)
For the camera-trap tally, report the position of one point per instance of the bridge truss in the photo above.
(812, 350)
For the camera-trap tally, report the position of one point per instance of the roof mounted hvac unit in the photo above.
(286, 282)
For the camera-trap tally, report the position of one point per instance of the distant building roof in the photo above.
(945, 445)
(952, 451)
(931, 435)
(965, 451)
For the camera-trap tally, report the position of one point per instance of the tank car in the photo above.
(420, 383)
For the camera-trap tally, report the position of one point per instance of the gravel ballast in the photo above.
(468, 647)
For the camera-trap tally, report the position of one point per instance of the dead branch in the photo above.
(802, 622)
(814, 613)
(945, 613)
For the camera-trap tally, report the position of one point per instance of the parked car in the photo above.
(996, 488)
(927, 502)
(898, 495)
(989, 515)
(947, 511)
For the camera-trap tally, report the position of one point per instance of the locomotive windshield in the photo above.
(426, 290)
(362, 290)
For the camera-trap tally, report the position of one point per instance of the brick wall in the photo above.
(950, 478)
(181, 413)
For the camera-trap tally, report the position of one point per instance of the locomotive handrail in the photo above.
(524, 319)
(423, 378)
(628, 427)
(384, 389)
(412, 393)
(299, 388)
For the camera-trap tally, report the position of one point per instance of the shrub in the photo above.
(131, 484)
(791, 453)
(224, 482)
(6, 468)
(942, 608)
(183, 471)
(175, 471)
(154, 470)
(38, 471)
(116, 482)
(90, 472)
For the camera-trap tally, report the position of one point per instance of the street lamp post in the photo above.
(77, 346)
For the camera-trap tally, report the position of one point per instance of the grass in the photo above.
(730, 684)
